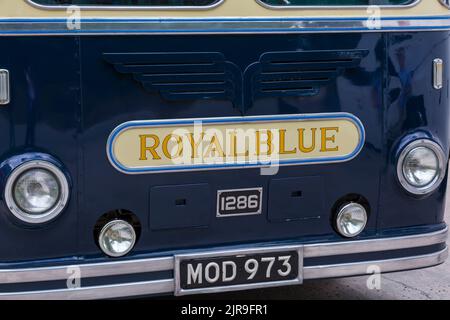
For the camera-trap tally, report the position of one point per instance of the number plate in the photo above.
(239, 202)
(238, 270)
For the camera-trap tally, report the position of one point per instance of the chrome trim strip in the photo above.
(168, 286)
(438, 73)
(87, 270)
(97, 292)
(16, 27)
(167, 263)
(124, 8)
(342, 7)
(361, 268)
(5, 95)
(375, 245)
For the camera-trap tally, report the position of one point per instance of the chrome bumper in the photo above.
(30, 275)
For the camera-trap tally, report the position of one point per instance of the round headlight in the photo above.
(421, 167)
(117, 238)
(36, 192)
(351, 220)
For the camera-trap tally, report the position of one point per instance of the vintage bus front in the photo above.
(193, 146)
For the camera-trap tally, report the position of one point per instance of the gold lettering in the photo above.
(214, 147)
(145, 148)
(325, 139)
(283, 143)
(268, 142)
(301, 140)
(195, 144)
(234, 147)
(165, 146)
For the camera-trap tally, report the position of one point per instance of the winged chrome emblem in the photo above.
(209, 75)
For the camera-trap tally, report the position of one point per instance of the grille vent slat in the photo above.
(208, 75)
(299, 73)
(181, 76)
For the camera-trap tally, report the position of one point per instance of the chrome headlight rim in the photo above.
(437, 180)
(445, 3)
(105, 228)
(342, 210)
(55, 210)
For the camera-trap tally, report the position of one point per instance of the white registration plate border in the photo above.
(223, 253)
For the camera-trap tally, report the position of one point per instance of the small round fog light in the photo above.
(117, 238)
(351, 220)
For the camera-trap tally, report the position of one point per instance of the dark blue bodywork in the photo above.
(66, 99)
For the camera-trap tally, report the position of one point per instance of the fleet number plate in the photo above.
(239, 202)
